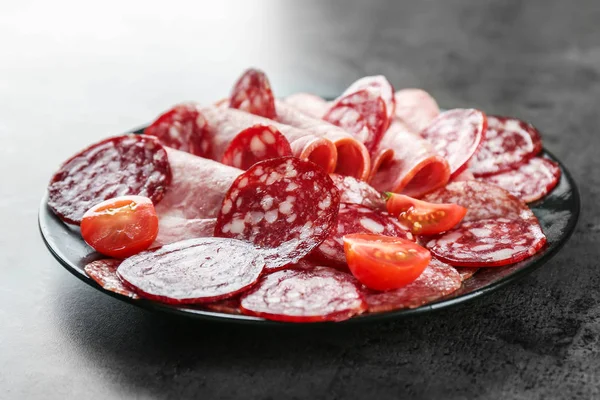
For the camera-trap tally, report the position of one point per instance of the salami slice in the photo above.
(530, 181)
(488, 242)
(482, 200)
(285, 206)
(252, 93)
(456, 135)
(354, 218)
(416, 108)
(382, 87)
(363, 114)
(309, 104)
(119, 166)
(226, 123)
(254, 144)
(414, 168)
(508, 143)
(466, 272)
(322, 294)
(182, 128)
(436, 281)
(352, 156)
(197, 188)
(173, 229)
(358, 192)
(193, 271)
(104, 272)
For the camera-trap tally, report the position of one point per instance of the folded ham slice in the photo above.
(193, 198)
(413, 168)
(353, 157)
(225, 123)
(416, 108)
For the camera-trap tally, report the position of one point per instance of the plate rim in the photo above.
(440, 304)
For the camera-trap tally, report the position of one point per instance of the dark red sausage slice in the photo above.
(182, 128)
(488, 243)
(362, 114)
(119, 166)
(322, 294)
(530, 181)
(380, 85)
(285, 206)
(255, 144)
(104, 272)
(354, 218)
(252, 93)
(508, 142)
(357, 192)
(482, 200)
(436, 281)
(193, 271)
(466, 272)
(456, 135)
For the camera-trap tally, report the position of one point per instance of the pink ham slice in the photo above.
(353, 157)
(411, 166)
(308, 103)
(225, 123)
(193, 198)
(416, 108)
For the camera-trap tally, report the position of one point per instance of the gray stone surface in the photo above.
(72, 73)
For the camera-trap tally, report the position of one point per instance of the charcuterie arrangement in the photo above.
(302, 209)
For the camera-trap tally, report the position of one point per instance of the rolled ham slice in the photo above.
(352, 156)
(413, 168)
(416, 108)
(308, 103)
(225, 123)
(193, 198)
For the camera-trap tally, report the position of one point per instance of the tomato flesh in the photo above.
(120, 227)
(423, 218)
(384, 262)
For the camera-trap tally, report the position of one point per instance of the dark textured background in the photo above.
(71, 74)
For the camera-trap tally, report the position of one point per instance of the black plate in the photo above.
(558, 213)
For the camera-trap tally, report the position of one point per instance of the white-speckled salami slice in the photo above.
(252, 93)
(456, 135)
(530, 181)
(322, 294)
(355, 191)
(508, 142)
(285, 206)
(488, 242)
(436, 281)
(183, 128)
(354, 218)
(193, 271)
(482, 200)
(363, 114)
(255, 144)
(123, 165)
(104, 272)
(380, 85)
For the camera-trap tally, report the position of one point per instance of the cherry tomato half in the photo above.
(120, 227)
(384, 262)
(423, 218)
